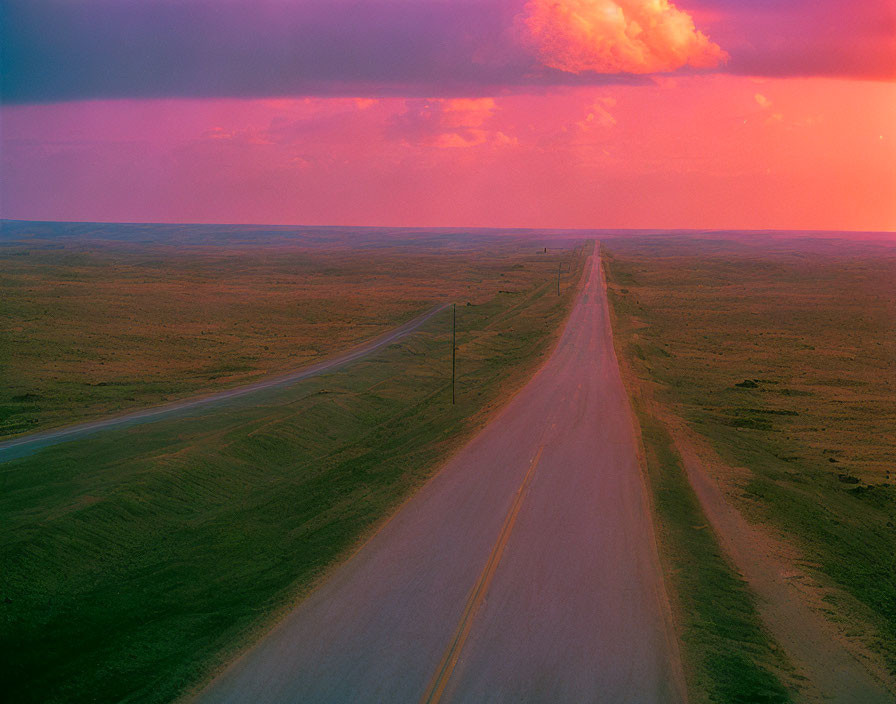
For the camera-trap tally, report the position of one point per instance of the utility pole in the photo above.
(559, 267)
(453, 347)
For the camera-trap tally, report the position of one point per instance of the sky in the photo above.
(749, 114)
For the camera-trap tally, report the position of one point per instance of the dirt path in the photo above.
(833, 673)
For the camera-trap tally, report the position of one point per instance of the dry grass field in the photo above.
(95, 326)
(782, 355)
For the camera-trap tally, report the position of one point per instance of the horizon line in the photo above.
(502, 228)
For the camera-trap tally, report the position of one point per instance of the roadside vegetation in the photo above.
(782, 355)
(137, 562)
(729, 657)
(727, 654)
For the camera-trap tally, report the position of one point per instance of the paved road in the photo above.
(525, 571)
(27, 444)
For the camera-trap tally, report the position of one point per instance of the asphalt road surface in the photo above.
(27, 444)
(524, 571)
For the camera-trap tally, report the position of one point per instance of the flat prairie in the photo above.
(781, 354)
(118, 317)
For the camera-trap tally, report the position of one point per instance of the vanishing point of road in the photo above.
(524, 571)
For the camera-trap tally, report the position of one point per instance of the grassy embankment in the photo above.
(728, 656)
(94, 328)
(784, 361)
(135, 562)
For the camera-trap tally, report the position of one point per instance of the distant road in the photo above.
(27, 444)
(524, 571)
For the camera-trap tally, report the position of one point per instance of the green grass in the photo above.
(783, 358)
(728, 655)
(135, 562)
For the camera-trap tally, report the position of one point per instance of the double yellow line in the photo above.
(449, 660)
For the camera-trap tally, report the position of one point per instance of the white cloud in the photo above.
(617, 36)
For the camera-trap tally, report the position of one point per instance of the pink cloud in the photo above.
(618, 36)
(469, 111)
(448, 123)
(599, 114)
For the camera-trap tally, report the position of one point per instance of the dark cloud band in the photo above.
(55, 50)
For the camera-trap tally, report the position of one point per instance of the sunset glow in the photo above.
(580, 113)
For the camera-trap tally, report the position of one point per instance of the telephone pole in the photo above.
(453, 347)
(559, 267)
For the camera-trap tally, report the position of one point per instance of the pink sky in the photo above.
(679, 126)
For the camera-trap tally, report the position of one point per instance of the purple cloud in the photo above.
(78, 49)
(838, 38)
(62, 50)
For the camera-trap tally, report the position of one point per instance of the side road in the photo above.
(27, 444)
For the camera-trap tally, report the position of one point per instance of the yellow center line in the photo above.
(477, 596)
